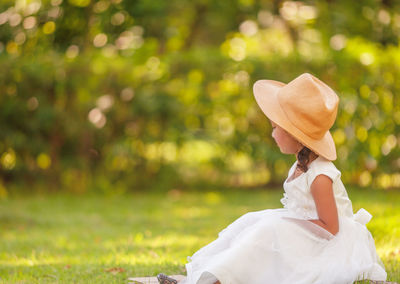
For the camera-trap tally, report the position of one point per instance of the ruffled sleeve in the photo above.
(324, 167)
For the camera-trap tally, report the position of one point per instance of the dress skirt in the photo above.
(274, 246)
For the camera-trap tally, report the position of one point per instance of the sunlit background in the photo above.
(133, 104)
(133, 95)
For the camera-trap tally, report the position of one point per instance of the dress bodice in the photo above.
(297, 197)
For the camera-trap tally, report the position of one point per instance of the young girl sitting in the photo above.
(315, 237)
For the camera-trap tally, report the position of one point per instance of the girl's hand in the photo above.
(316, 230)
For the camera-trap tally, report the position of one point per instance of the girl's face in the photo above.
(286, 142)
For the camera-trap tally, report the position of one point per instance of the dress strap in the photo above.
(325, 167)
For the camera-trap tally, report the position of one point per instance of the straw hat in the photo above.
(305, 107)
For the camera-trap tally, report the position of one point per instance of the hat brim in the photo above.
(265, 93)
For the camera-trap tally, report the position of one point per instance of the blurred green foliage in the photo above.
(121, 95)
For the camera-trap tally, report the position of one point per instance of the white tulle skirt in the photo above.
(273, 246)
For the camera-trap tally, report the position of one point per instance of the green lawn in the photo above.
(106, 239)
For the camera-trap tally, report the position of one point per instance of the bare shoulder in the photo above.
(321, 183)
(322, 179)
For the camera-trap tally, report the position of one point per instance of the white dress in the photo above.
(281, 246)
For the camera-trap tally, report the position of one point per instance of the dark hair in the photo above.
(303, 158)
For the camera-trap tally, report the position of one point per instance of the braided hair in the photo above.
(303, 158)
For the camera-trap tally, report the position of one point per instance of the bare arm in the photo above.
(322, 192)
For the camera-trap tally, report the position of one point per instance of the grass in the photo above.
(106, 239)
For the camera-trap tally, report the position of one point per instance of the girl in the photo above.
(315, 237)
